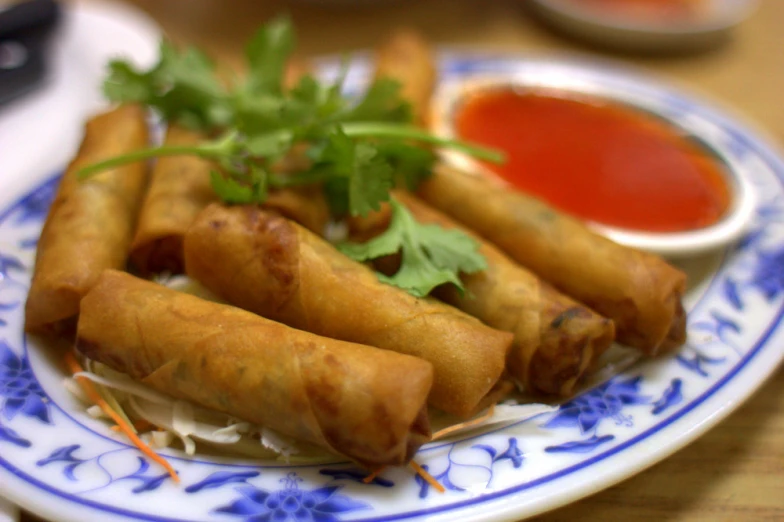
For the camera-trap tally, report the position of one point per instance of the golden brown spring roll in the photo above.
(275, 268)
(90, 224)
(639, 291)
(556, 339)
(179, 189)
(364, 403)
(405, 56)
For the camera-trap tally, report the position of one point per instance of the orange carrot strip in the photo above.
(473, 422)
(92, 393)
(370, 478)
(427, 476)
(115, 428)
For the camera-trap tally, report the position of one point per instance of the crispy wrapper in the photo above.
(639, 291)
(556, 340)
(364, 403)
(405, 56)
(275, 268)
(306, 205)
(90, 223)
(179, 189)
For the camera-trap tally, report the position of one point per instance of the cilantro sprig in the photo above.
(430, 254)
(357, 149)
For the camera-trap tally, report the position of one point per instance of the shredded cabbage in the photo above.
(336, 231)
(612, 362)
(188, 422)
(183, 283)
(126, 384)
(96, 412)
(74, 389)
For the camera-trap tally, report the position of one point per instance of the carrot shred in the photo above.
(427, 476)
(115, 428)
(370, 478)
(473, 422)
(92, 393)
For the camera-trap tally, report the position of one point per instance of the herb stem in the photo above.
(144, 154)
(410, 132)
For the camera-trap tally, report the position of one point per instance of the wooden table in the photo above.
(736, 471)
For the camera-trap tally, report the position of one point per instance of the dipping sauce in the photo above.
(600, 161)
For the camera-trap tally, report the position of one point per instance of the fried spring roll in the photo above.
(179, 189)
(275, 268)
(406, 57)
(556, 339)
(639, 291)
(90, 223)
(364, 403)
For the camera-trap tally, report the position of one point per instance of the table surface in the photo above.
(736, 471)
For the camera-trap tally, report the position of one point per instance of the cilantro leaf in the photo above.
(267, 53)
(229, 189)
(451, 249)
(183, 87)
(430, 255)
(242, 184)
(188, 89)
(411, 164)
(336, 192)
(382, 102)
(125, 84)
(270, 146)
(369, 176)
(258, 113)
(418, 277)
(370, 183)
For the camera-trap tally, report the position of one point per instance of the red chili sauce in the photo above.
(600, 161)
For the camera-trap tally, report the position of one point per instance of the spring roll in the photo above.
(556, 340)
(179, 189)
(275, 268)
(639, 291)
(354, 400)
(90, 223)
(407, 58)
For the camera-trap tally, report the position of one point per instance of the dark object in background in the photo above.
(24, 31)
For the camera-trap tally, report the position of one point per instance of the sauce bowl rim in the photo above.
(731, 227)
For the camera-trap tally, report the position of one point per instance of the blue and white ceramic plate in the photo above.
(57, 461)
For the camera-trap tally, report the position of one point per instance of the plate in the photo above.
(58, 462)
(630, 30)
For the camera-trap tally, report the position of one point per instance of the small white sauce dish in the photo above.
(730, 228)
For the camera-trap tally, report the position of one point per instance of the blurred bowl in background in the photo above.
(646, 25)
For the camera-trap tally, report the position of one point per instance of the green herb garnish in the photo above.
(358, 150)
(430, 254)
